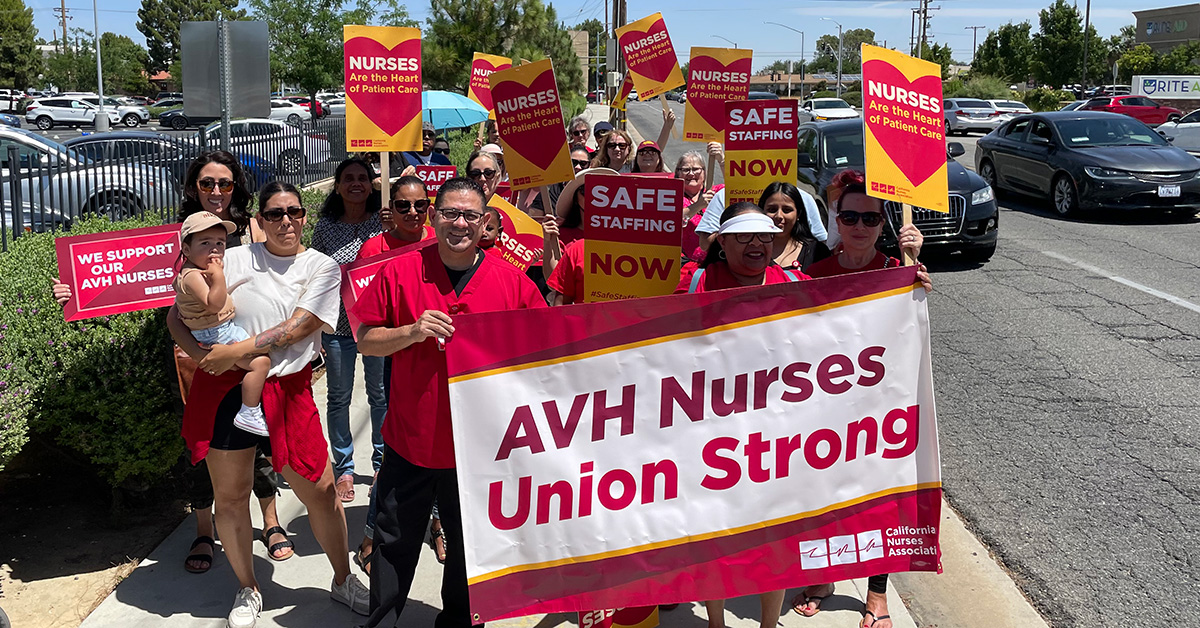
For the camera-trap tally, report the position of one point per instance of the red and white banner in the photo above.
(695, 447)
(118, 271)
(358, 275)
(435, 176)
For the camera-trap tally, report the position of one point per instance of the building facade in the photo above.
(1163, 29)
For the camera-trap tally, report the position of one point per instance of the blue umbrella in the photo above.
(447, 110)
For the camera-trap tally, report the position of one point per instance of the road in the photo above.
(1066, 371)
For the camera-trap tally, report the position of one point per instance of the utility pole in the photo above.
(974, 39)
(64, 14)
(839, 78)
(1087, 18)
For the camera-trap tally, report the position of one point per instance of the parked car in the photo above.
(337, 106)
(170, 103)
(168, 152)
(64, 182)
(762, 96)
(10, 100)
(964, 115)
(1109, 90)
(9, 119)
(1072, 106)
(304, 102)
(140, 101)
(821, 109)
(633, 95)
(1138, 107)
(175, 119)
(683, 96)
(1010, 107)
(162, 95)
(672, 96)
(1089, 160)
(289, 148)
(594, 96)
(1183, 133)
(289, 112)
(971, 226)
(131, 115)
(47, 113)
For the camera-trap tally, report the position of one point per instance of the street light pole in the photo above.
(102, 115)
(1087, 18)
(839, 79)
(801, 57)
(728, 40)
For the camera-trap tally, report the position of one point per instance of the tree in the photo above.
(1141, 59)
(543, 36)
(778, 65)
(159, 21)
(124, 64)
(1005, 52)
(1058, 46)
(74, 67)
(941, 55)
(1180, 59)
(852, 41)
(20, 62)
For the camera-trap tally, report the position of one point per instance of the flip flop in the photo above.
(874, 618)
(363, 562)
(205, 559)
(802, 600)
(345, 488)
(284, 544)
(434, 535)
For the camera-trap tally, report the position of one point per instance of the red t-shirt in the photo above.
(567, 278)
(385, 242)
(717, 277)
(418, 416)
(832, 266)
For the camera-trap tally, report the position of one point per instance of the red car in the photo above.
(322, 109)
(1138, 107)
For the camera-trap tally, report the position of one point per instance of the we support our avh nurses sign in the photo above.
(480, 89)
(383, 88)
(715, 75)
(118, 271)
(529, 120)
(904, 129)
(632, 234)
(760, 146)
(695, 447)
(650, 56)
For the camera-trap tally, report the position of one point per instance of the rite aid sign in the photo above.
(1165, 27)
(1167, 87)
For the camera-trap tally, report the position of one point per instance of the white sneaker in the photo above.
(352, 593)
(246, 607)
(251, 420)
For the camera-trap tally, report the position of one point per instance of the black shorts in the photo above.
(225, 436)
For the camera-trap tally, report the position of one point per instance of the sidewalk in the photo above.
(296, 592)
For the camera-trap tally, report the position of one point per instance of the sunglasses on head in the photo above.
(487, 174)
(208, 184)
(851, 218)
(295, 212)
(747, 238)
(403, 207)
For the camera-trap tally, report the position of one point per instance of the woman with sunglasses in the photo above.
(578, 133)
(486, 169)
(441, 146)
(285, 295)
(349, 217)
(615, 152)
(648, 159)
(403, 218)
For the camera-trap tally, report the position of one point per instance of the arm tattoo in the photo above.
(284, 334)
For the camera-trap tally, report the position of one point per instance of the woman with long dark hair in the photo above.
(795, 246)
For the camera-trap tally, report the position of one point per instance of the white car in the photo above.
(337, 106)
(289, 112)
(819, 109)
(1184, 132)
(130, 115)
(47, 113)
(289, 148)
(1010, 108)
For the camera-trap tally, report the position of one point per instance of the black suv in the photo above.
(972, 226)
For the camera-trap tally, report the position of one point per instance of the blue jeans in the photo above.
(341, 353)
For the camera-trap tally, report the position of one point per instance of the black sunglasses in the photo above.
(747, 238)
(208, 184)
(579, 132)
(582, 163)
(487, 174)
(444, 151)
(295, 212)
(850, 218)
(418, 206)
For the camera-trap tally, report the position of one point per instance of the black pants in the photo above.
(406, 493)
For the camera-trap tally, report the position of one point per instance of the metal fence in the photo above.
(126, 174)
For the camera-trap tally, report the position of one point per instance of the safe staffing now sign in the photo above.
(631, 248)
(383, 88)
(760, 146)
(904, 129)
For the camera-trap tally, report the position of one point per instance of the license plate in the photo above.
(1168, 191)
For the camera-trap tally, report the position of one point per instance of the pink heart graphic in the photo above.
(390, 112)
(916, 156)
(656, 69)
(542, 144)
(480, 86)
(712, 110)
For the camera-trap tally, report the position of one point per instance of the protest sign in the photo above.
(530, 123)
(435, 176)
(715, 75)
(480, 89)
(760, 147)
(623, 94)
(904, 129)
(769, 437)
(118, 271)
(632, 236)
(521, 241)
(650, 56)
(358, 275)
(383, 88)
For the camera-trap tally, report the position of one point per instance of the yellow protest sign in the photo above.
(650, 56)
(760, 146)
(383, 88)
(715, 76)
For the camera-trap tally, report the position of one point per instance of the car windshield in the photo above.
(830, 104)
(844, 150)
(54, 147)
(1107, 131)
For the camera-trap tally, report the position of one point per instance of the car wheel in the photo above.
(131, 120)
(115, 205)
(45, 123)
(294, 119)
(980, 255)
(1066, 200)
(987, 172)
(291, 162)
(179, 123)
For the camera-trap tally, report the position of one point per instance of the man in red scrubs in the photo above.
(408, 313)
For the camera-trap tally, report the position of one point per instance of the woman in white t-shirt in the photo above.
(285, 296)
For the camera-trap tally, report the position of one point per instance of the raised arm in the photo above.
(668, 124)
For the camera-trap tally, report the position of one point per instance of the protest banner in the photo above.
(521, 241)
(715, 75)
(760, 146)
(650, 56)
(529, 120)
(480, 89)
(435, 176)
(769, 437)
(904, 130)
(118, 271)
(620, 102)
(383, 88)
(358, 275)
(631, 237)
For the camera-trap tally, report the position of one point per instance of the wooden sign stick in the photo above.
(710, 172)
(385, 187)
(906, 219)
(482, 131)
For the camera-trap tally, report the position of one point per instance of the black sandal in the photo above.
(874, 618)
(363, 562)
(284, 544)
(434, 535)
(204, 559)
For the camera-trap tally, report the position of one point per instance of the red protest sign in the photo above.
(760, 146)
(480, 89)
(529, 120)
(715, 75)
(118, 271)
(651, 57)
(383, 87)
(521, 240)
(632, 236)
(357, 276)
(435, 176)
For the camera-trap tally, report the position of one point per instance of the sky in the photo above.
(698, 22)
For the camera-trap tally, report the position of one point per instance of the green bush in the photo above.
(102, 388)
(985, 88)
(573, 105)
(854, 99)
(952, 88)
(1046, 99)
(824, 94)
